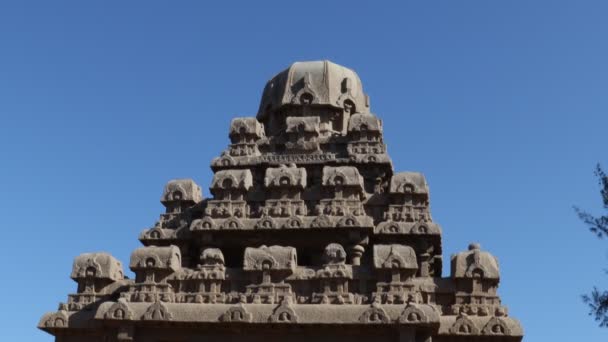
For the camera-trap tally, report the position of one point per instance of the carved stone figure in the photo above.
(309, 235)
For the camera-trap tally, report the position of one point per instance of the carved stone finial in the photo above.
(474, 246)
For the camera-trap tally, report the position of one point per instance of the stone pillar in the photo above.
(355, 254)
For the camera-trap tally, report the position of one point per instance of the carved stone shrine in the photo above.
(309, 236)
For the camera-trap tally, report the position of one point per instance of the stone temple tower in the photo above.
(309, 236)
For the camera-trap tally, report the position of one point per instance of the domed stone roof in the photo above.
(475, 262)
(316, 83)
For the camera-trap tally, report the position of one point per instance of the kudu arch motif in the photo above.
(308, 227)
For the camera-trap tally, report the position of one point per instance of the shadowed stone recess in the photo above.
(309, 235)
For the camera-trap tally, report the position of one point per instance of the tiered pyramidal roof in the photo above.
(309, 231)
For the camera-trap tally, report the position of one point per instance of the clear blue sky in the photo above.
(502, 104)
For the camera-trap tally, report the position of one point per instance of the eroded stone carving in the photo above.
(285, 185)
(409, 198)
(396, 265)
(229, 188)
(119, 311)
(180, 194)
(97, 265)
(419, 314)
(236, 314)
(334, 277)
(275, 258)
(306, 83)
(244, 133)
(153, 266)
(374, 315)
(302, 134)
(464, 326)
(271, 265)
(476, 276)
(475, 263)
(496, 326)
(284, 313)
(157, 312)
(343, 192)
(56, 320)
(204, 283)
(365, 139)
(308, 226)
(179, 197)
(95, 273)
